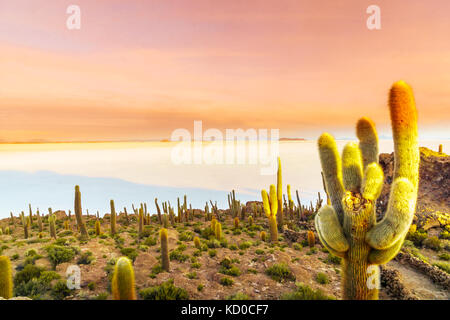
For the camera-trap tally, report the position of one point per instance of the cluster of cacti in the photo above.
(164, 238)
(113, 217)
(348, 228)
(234, 205)
(271, 209)
(122, 283)
(78, 214)
(6, 280)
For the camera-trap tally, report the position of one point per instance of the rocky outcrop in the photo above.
(433, 201)
(391, 280)
(435, 274)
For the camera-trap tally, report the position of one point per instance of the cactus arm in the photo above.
(332, 170)
(273, 200)
(405, 133)
(368, 140)
(266, 204)
(329, 229)
(403, 195)
(385, 255)
(352, 171)
(372, 182)
(398, 217)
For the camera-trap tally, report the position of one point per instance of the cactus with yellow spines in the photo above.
(218, 231)
(122, 283)
(6, 280)
(98, 230)
(113, 217)
(78, 214)
(236, 222)
(164, 238)
(348, 227)
(290, 202)
(270, 208)
(280, 214)
(213, 224)
(262, 236)
(197, 242)
(141, 222)
(311, 239)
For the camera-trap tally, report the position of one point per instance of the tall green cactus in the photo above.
(141, 222)
(6, 281)
(39, 220)
(122, 284)
(348, 228)
(280, 214)
(271, 209)
(78, 213)
(164, 238)
(113, 217)
(52, 226)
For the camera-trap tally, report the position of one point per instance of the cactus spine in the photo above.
(165, 262)
(6, 281)
(122, 284)
(78, 214)
(113, 218)
(348, 228)
(270, 208)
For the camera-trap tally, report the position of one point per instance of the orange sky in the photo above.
(140, 69)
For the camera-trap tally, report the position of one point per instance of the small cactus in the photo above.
(250, 221)
(197, 242)
(122, 284)
(279, 199)
(262, 236)
(113, 218)
(39, 220)
(6, 281)
(78, 214)
(270, 208)
(311, 239)
(236, 222)
(163, 236)
(218, 231)
(52, 226)
(97, 227)
(213, 224)
(141, 222)
(440, 148)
